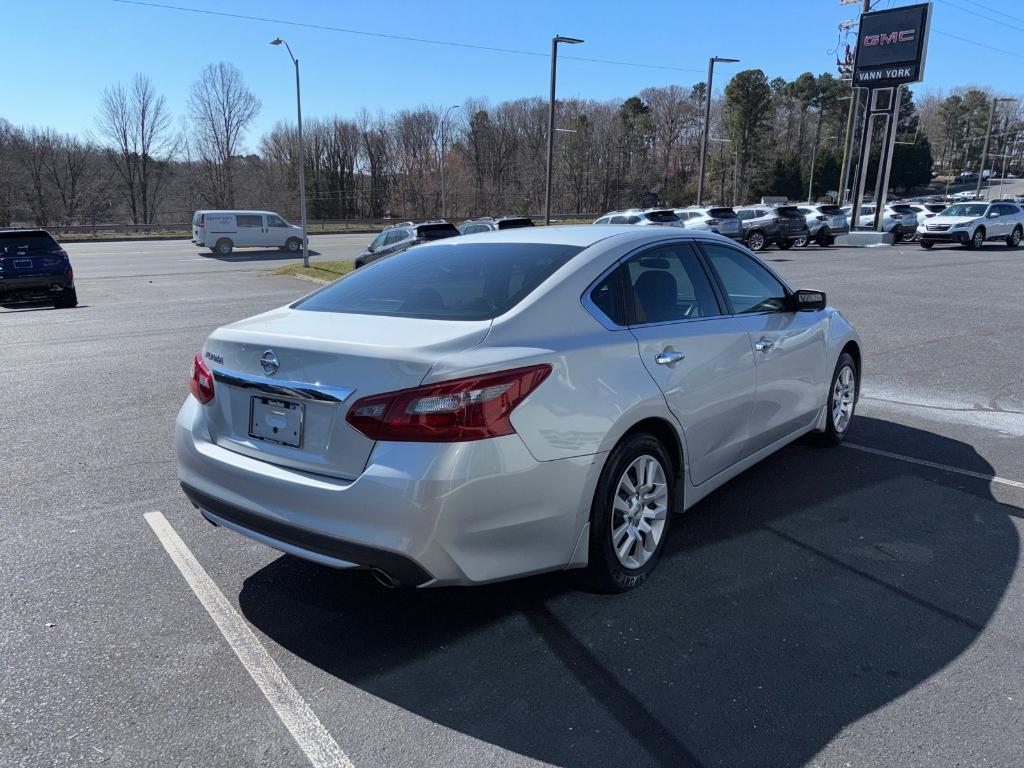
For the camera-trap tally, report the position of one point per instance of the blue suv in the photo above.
(33, 267)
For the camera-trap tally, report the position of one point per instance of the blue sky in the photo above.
(66, 51)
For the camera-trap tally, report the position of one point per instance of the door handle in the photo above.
(764, 345)
(668, 357)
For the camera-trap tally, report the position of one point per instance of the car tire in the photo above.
(622, 554)
(293, 245)
(785, 244)
(66, 299)
(841, 402)
(897, 234)
(756, 240)
(977, 239)
(1013, 240)
(802, 242)
(825, 237)
(927, 244)
(224, 246)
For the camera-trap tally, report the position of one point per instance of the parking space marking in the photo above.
(303, 724)
(936, 465)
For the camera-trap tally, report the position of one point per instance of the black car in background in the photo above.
(33, 267)
(398, 237)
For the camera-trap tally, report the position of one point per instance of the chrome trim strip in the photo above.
(294, 389)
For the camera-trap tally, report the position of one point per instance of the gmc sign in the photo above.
(891, 46)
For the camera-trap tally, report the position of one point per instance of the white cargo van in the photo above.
(223, 231)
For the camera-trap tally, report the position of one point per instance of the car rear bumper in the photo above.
(428, 514)
(31, 287)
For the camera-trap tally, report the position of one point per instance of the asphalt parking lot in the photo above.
(857, 606)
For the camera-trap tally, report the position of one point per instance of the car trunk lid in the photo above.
(324, 363)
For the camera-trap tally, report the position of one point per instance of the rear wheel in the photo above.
(224, 246)
(66, 299)
(1015, 237)
(802, 242)
(825, 237)
(629, 517)
(755, 240)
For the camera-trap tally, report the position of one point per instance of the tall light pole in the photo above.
(814, 154)
(444, 200)
(984, 151)
(551, 120)
(302, 154)
(707, 124)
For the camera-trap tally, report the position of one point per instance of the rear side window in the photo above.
(606, 296)
(394, 236)
(248, 220)
(749, 286)
(745, 215)
(17, 243)
(669, 284)
(445, 281)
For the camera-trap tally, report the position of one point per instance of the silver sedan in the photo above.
(498, 405)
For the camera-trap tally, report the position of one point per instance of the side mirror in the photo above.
(806, 301)
(993, 215)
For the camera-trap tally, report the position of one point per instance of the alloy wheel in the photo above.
(844, 393)
(639, 511)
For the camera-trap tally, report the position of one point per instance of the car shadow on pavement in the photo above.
(807, 593)
(254, 254)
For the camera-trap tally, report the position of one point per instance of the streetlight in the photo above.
(444, 200)
(551, 120)
(814, 154)
(984, 151)
(707, 123)
(302, 154)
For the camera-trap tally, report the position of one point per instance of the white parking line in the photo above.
(303, 724)
(935, 465)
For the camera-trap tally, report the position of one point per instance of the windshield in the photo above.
(661, 217)
(447, 281)
(973, 210)
(18, 243)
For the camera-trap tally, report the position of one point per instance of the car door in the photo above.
(699, 356)
(788, 347)
(251, 230)
(277, 230)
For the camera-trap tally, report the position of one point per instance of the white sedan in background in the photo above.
(971, 224)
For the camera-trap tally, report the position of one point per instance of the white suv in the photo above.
(663, 216)
(971, 224)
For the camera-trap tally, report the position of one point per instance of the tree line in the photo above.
(139, 165)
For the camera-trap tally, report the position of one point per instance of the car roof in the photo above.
(586, 235)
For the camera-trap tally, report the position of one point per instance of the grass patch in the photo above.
(320, 271)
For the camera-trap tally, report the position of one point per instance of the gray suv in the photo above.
(490, 224)
(721, 221)
(398, 237)
(764, 224)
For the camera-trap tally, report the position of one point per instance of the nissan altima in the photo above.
(498, 405)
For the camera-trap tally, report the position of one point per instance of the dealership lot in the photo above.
(855, 606)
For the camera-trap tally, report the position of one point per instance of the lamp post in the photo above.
(984, 151)
(814, 154)
(707, 124)
(302, 154)
(551, 120)
(444, 200)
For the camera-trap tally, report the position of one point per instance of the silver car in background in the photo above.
(508, 403)
(720, 220)
(824, 222)
(642, 216)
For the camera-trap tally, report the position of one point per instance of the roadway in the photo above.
(855, 606)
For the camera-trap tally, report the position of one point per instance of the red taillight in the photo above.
(473, 408)
(202, 220)
(200, 380)
(821, 218)
(712, 222)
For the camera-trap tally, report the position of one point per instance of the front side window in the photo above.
(378, 241)
(602, 220)
(749, 286)
(669, 284)
(444, 281)
(273, 220)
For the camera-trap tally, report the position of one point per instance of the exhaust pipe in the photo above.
(384, 578)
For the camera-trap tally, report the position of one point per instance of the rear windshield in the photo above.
(661, 217)
(789, 212)
(935, 207)
(437, 231)
(722, 213)
(830, 210)
(17, 243)
(447, 281)
(515, 223)
(903, 209)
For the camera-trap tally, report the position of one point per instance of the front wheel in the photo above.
(1015, 237)
(629, 517)
(927, 244)
(977, 239)
(294, 245)
(802, 242)
(842, 400)
(785, 244)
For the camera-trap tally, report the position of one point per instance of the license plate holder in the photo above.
(276, 421)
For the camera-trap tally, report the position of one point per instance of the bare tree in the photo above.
(221, 108)
(136, 126)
